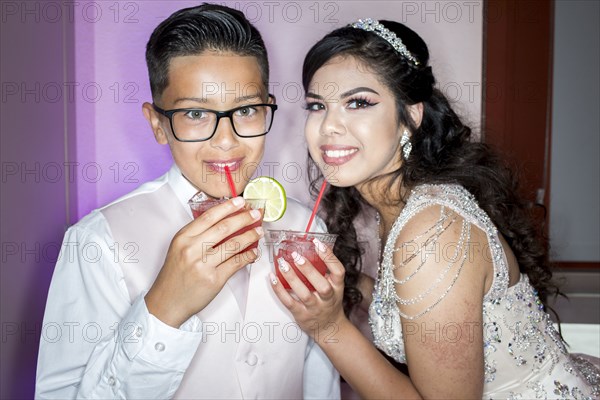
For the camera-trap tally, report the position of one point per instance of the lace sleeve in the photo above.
(429, 255)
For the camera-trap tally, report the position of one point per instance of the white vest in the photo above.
(251, 346)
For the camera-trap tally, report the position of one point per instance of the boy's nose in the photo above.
(224, 138)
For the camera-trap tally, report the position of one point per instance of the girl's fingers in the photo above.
(296, 284)
(316, 279)
(335, 267)
(286, 299)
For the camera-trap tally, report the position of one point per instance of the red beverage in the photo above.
(200, 208)
(307, 249)
(284, 243)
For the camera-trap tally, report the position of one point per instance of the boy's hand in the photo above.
(194, 271)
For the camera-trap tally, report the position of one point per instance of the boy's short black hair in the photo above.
(191, 31)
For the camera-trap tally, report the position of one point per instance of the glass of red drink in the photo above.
(200, 203)
(283, 243)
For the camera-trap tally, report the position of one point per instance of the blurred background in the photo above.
(524, 74)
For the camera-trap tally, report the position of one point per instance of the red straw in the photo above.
(230, 181)
(316, 207)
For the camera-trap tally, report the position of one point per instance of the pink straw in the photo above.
(316, 207)
(230, 181)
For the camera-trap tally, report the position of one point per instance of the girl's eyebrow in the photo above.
(357, 90)
(345, 94)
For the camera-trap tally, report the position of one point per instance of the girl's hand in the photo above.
(320, 312)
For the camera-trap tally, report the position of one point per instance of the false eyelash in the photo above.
(307, 106)
(361, 99)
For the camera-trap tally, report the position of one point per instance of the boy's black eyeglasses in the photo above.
(200, 124)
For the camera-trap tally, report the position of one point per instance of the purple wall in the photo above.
(33, 212)
(72, 133)
(115, 148)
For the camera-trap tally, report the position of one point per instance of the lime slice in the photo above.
(265, 187)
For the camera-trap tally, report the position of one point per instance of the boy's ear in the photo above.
(153, 119)
(416, 113)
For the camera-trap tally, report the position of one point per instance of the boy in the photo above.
(172, 317)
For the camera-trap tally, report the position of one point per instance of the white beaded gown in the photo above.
(524, 357)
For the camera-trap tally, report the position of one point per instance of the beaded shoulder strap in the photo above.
(455, 202)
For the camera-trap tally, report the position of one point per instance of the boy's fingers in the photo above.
(226, 228)
(226, 269)
(239, 243)
(214, 215)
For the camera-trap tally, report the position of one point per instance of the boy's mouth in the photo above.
(219, 165)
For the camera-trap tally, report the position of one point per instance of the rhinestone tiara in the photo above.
(372, 25)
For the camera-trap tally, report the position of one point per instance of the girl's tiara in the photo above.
(372, 25)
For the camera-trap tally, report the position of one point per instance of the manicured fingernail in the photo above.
(260, 231)
(283, 265)
(238, 201)
(255, 214)
(320, 246)
(273, 279)
(255, 251)
(298, 259)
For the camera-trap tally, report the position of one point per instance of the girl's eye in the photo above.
(314, 106)
(359, 103)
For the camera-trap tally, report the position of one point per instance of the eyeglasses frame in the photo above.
(219, 114)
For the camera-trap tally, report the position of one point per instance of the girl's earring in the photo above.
(405, 144)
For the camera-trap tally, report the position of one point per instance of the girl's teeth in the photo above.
(339, 153)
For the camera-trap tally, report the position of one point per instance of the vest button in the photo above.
(252, 360)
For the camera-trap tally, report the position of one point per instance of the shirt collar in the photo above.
(184, 190)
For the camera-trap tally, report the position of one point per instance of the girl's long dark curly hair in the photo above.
(442, 152)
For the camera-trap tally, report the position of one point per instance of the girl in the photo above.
(461, 290)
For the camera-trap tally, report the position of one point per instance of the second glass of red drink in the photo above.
(283, 243)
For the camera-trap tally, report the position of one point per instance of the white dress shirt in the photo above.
(99, 340)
